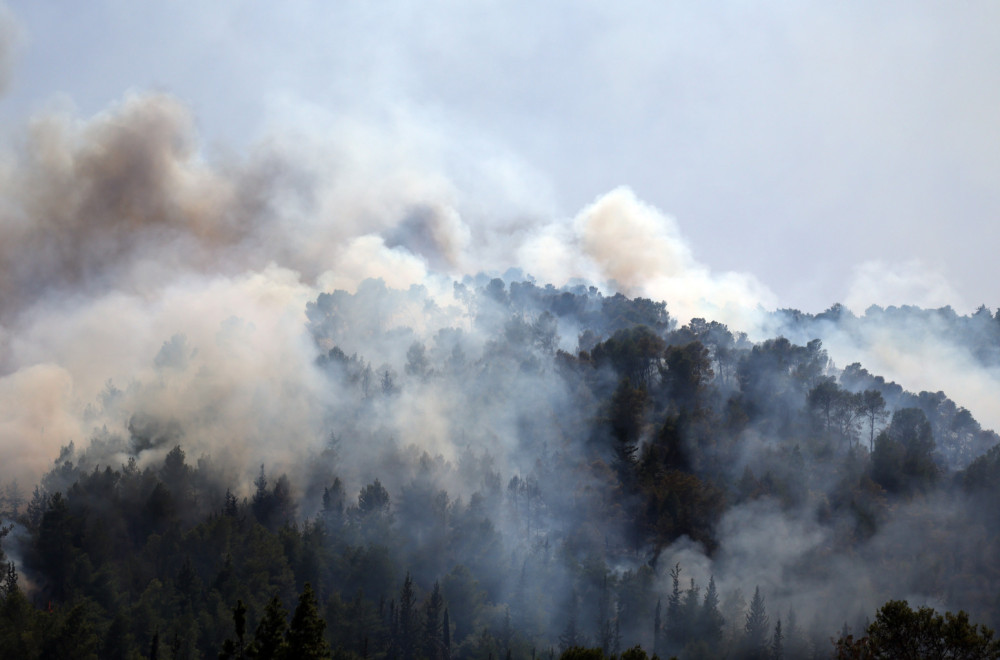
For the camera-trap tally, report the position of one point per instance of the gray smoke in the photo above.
(155, 295)
(10, 38)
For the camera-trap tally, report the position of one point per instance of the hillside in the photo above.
(505, 468)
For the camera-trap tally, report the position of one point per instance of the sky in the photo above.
(834, 152)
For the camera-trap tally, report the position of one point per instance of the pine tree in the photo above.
(305, 634)
(777, 643)
(506, 632)
(17, 620)
(616, 635)
(446, 636)
(756, 627)
(710, 620)
(570, 636)
(603, 622)
(407, 626)
(791, 633)
(231, 507)
(674, 627)
(240, 624)
(690, 613)
(432, 624)
(118, 643)
(74, 638)
(269, 638)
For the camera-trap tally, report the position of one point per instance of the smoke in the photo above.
(116, 202)
(640, 251)
(226, 358)
(36, 418)
(907, 283)
(120, 232)
(10, 38)
(155, 292)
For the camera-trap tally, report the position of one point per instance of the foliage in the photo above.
(899, 631)
(621, 455)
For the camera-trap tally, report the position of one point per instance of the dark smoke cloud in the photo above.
(89, 201)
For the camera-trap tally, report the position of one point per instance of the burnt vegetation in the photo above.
(593, 495)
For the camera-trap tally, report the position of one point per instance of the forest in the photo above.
(523, 471)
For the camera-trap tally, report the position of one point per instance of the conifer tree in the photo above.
(604, 625)
(791, 634)
(690, 612)
(777, 643)
(74, 638)
(570, 636)
(240, 624)
(710, 620)
(118, 643)
(674, 627)
(407, 623)
(432, 624)
(756, 627)
(305, 634)
(269, 638)
(446, 636)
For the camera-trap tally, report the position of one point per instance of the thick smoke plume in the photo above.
(120, 233)
(319, 305)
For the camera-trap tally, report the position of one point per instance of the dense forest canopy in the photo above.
(511, 469)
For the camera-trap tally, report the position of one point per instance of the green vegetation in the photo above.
(595, 496)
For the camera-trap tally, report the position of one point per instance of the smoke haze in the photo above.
(120, 234)
(390, 296)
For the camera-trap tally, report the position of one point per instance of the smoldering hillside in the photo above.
(230, 376)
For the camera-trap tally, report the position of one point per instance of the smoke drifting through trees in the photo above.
(551, 450)
(478, 443)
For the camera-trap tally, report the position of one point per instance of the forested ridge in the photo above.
(525, 472)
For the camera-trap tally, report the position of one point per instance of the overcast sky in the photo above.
(837, 151)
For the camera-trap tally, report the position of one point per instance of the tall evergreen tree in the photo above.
(570, 637)
(446, 636)
(407, 631)
(792, 635)
(756, 628)
(433, 642)
(305, 639)
(604, 625)
(777, 643)
(710, 620)
(240, 624)
(674, 626)
(691, 611)
(269, 638)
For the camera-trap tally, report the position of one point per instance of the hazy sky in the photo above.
(844, 151)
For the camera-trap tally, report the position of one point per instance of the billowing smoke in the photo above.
(329, 304)
(121, 233)
(642, 252)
